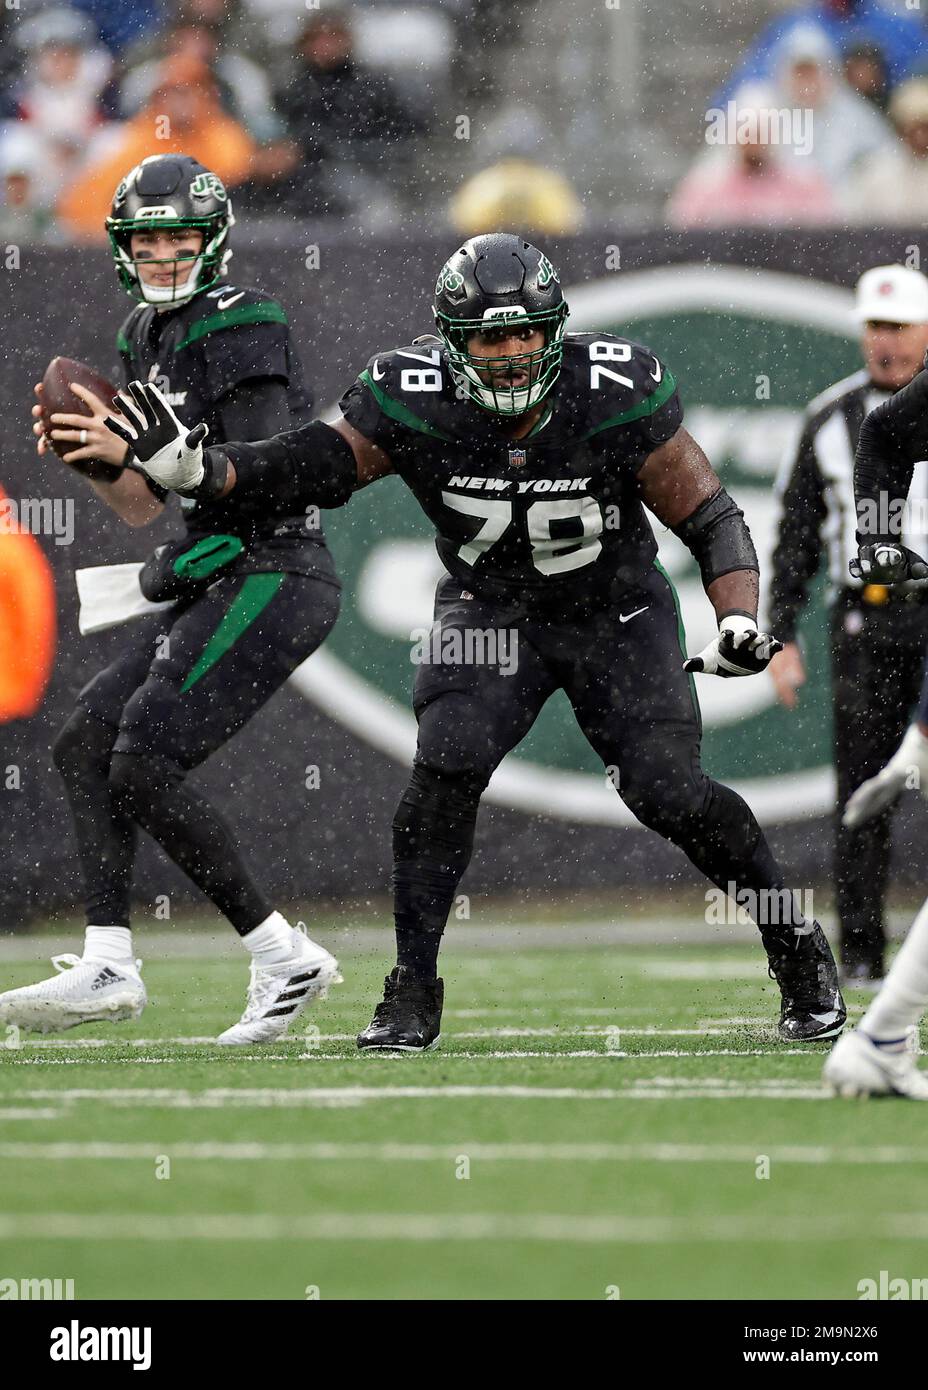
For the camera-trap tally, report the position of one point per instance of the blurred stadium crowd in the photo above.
(321, 109)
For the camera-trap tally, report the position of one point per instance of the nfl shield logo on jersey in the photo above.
(517, 458)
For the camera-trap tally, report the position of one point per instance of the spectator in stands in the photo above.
(63, 76)
(517, 188)
(901, 37)
(24, 215)
(119, 23)
(750, 182)
(866, 73)
(846, 129)
(243, 87)
(344, 117)
(183, 114)
(893, 187)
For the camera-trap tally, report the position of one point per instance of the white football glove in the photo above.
(906, 770)
(738, 649)
(163, 446)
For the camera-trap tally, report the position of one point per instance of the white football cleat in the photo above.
(857, 1067)
(89, 991)
(278, 994)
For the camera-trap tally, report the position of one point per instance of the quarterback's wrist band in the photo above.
(215, 476)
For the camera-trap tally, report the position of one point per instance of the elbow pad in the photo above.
(310, 466)
(718, 537)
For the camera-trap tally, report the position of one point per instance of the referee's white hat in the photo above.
(892, 294)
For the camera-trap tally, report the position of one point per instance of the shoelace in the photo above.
(67, 958)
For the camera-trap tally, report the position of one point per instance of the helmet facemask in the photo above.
(206, 267)
(469, 370)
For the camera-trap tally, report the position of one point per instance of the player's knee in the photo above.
(82, 744)
(669, 801)
(436, 809)
(137, 779)
(456, 738)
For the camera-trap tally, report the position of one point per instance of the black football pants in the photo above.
(184, 683)
(633, 702)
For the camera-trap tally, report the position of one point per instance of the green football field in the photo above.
(599, 1122)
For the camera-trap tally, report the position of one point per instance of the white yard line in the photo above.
(482, 1226)
(590, 1031)
(498, 1055)
(450, 1153)
(216, 1098)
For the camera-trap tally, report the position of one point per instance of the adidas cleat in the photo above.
(856, 1066)
(408, 1019)
(278, 994)
(83, 991)
(811, 1005)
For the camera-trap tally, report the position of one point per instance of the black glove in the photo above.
(737, 649)
(887, 562)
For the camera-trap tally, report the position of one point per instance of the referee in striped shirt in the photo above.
(877, 638)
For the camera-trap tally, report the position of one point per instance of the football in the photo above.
(58, 398)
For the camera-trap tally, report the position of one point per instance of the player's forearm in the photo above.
(310, 466)
(717, 536)
(892, 438)
(737, 592)
(129, 497)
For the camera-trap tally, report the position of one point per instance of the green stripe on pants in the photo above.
(250, 601)
(681, 635)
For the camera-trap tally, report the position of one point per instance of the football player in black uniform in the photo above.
(877, 1057)
(534, 453)
(254, 594)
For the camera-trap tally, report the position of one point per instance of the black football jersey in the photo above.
(196, 354)
(553, 519)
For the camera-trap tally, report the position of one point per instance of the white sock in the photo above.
(903, 997)
(108, 943)
(271, 941)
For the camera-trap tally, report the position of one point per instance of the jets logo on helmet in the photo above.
(450, 281)
(546, 273)
(171, 191)
(208, 186)
(489, 282)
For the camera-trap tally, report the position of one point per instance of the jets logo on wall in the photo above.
(750, 349)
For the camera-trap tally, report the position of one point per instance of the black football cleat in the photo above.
(408, 1018)
(812, 1008)
(862, 973)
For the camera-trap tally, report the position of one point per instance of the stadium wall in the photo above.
(753, 324)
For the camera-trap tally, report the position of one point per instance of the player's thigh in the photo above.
(226, 656)
(479, 687)
(107, 693)
(628, 676)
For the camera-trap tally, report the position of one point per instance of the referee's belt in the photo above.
(881, 596)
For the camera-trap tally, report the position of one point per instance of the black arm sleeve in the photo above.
(892, 440)
(254, 409)
(798, 549)
(717, 536)
(310, 466)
